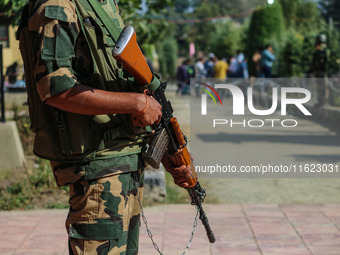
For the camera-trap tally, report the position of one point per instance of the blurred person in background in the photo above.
(220, 74)
(200, 74)
(257, 60)
(183, 78)
(209, 65)
(319, 68)
(267, 61)
(12, 73)
(221, 69)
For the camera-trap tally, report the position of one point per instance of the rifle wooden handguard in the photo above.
(182, 157)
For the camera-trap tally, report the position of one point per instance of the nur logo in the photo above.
(303, 96)
(204, 96)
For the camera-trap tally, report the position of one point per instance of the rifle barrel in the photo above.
(202, 214)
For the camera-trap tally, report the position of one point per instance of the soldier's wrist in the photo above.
(143, 104)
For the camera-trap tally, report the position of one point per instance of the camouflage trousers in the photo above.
(104, 216)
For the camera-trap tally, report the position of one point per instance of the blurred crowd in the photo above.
(235, 70)
(221, 69)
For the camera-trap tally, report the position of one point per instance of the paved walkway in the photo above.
(240, 230)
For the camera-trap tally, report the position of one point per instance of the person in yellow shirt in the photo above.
(220, 74)
(220, 69)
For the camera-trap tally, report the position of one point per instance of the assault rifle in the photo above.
(168, 135)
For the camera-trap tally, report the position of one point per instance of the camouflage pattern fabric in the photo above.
(104, 217)
(104, 211)
(66, 174)
(63, 59)
(54, 25)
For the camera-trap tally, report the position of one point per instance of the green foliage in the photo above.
(292, 53)
(333, 47)
(174, 194)
(308, 48)
(168, 57)
(19, 189)
(149, 34)
(289, 10)
(304, 21)
(206, 32)
(266, 24)
(201, 33)
(12, 9)
(330, 10)
(11, 6)
(222, 44)
(266, 27)
(231, 7)
(307, 17)
(301, 15)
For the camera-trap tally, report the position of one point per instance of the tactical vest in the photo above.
(67, 137)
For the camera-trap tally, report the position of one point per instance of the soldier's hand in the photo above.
(151, 114)
(181, 174)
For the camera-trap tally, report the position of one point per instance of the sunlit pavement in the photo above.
(268, 229)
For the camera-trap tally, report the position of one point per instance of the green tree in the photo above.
(333, 42)
(266, 27)
(205, 29)
(234, 7)
(292, 53)
(330, 10)
(201, 32)
(222, 43)
(129, 8)
(308, 17)
(289, 10)
(11, 10)
(301, 15)
(308, 48)
(168, 52)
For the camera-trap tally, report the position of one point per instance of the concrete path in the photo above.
(252, 229)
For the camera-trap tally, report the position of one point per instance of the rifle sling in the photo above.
(105, 18)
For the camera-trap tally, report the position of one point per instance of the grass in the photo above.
(30, 188)
(175, 194)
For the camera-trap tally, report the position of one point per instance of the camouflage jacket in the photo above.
(63, 59)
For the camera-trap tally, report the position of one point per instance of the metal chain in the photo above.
(146, 223)
(150, 234)
(192, 234)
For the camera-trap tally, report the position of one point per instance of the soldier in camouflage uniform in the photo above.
(319, 68)
(88, 121)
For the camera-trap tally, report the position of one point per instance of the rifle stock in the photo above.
(129, 54)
